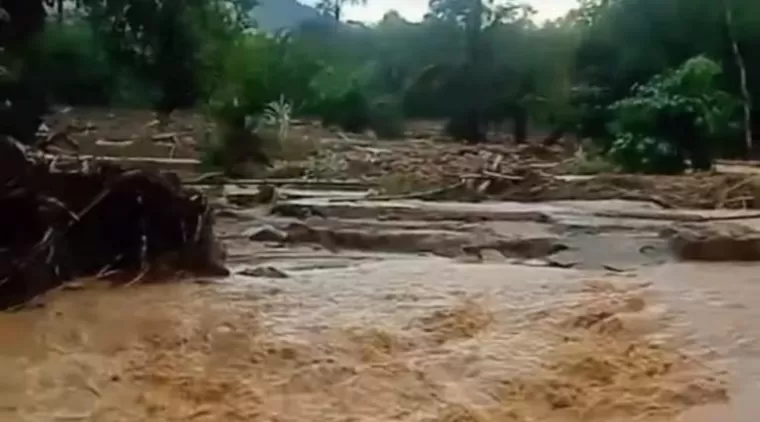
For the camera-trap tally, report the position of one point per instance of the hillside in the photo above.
(274, 15)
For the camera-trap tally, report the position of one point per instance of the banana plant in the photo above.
(278, 114)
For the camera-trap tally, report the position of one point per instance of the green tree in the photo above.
(628, 41)
(487, 78)
(163, 40)
(22, 99)
(677, 115)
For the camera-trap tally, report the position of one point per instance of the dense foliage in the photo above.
(660, 85)
(676, 116)
(22, 100)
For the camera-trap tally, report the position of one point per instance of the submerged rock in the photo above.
(264, 272)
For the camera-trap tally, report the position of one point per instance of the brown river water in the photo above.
(410, 340)
(402, 338)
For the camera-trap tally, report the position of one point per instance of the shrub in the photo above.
(675, 116)
(259, 69)
(340, 98)
(644, 154)
(244, 143)
(589, 159)
(235, 147)
(387, 118)
(348, 109)
(74, 64)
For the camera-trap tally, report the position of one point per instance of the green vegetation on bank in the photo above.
(658, 85)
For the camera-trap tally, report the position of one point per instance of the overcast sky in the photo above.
(415, 9)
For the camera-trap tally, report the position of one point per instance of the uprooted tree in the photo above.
(90, 220)
(65, 220)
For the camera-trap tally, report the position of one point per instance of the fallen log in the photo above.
(189, 162)
(57, 226)
(683, 216)
(214, 179)
(747, 163)
(430, 194)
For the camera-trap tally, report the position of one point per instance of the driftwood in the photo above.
(215, 179)
(672, 215)
(745, 163)
(190, 162)
(430, 194)
(62, 225)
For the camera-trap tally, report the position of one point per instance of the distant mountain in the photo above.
(275, 15)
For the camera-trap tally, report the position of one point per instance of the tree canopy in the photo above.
(476, 63)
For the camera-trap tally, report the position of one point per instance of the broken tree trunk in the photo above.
(739, 59)
(61, 225)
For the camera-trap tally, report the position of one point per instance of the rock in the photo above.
(561, 263)
(301, 212)
(266, 234)
(468, 259)
(493, 256)
(530, 248)
(242, 199)
(265, 272)
(300, 232)
(713, 242)
(74, 285)
(206, 282)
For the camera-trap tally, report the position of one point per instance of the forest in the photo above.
(655, 86)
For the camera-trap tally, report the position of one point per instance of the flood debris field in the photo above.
(418, 281)
(420, 165)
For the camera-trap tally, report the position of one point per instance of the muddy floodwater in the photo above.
(611, 329)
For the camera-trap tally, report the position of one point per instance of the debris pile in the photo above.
(527, 173)
(426, 163)
(129, 133)
(94, 220)
(416, 168)
(703, 191)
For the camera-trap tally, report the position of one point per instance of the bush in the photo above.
(589, 159)
(674, 117)
(353, 111)
(387, 118)
(339, 99)
(258, 69)
(349, 110)
(235, 148)
(243, 76)
(244, 143)
(74, 65)
(647, 155)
